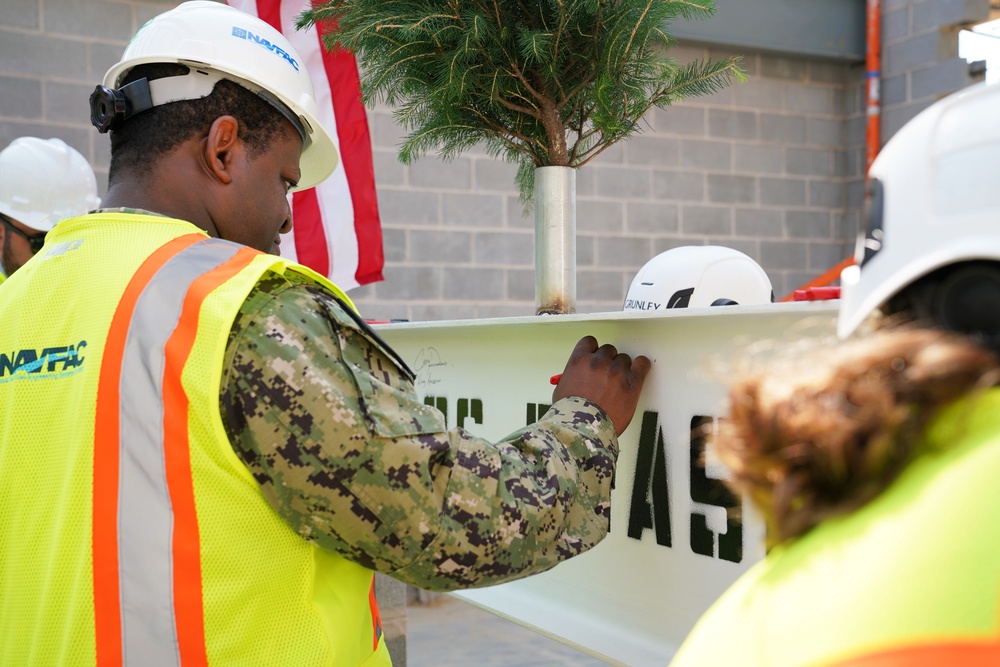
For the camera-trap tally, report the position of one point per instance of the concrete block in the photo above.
(894, 89)
(427, 246)
(101, 57)
(935, 14)
(602, 285)
(895, 25)
(100, 151)
(679, 119)
(397, 206)
(721, 98)
(846, 226)
(585, 186)
(440, 312)
(939, 80)
(474, 284)
(67, 102)
(496, 175)
(728, 124)
(782, 191)
(622, 182)
(726, 189)
(394, 244)
(821, 71)
(505, 248)
(822, 256)
(685, 53)
(749, 247)
(614, 154)
(715, 155)
(623, 251)
(758, 158)
(521, 285)
(840, 162)
(495, 310)
(21, 98)
(759, 222)
(646, 218)
(785, 129)
(643, 149)
(517, 217)
(21, 14)
(600, 216)
(809, 99)
(779, 67)
(824, 131)
(828, 194)
(910, 53)
(420, 283)
(430, 172)
(764, 94)
(388, 169)
(707, 220)
(585, 250)
(856, 194)
(807, 224)
(472, 210)
(895, 117)
(384, 130)
(88, 18)
(776, 255)
(809, 161)
(26, 54)
(679, 185)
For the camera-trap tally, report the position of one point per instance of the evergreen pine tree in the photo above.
(537, 82)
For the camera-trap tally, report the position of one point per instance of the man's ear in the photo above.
(223, 137)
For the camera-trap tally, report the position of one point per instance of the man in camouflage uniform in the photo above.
(322, 413)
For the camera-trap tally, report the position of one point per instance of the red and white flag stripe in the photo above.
(337, 230)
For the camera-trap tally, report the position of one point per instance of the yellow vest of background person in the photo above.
(910, 579)
(129, 529)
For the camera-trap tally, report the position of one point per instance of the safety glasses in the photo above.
(35, 241)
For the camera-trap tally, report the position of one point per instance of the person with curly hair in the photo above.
(875, 461)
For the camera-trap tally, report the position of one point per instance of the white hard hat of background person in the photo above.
(930, 246)
(698, 276)
(216, 41)
(43, 181)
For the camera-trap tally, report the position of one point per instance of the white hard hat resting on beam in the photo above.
(698, 276)
(218, 42)
(932, 201)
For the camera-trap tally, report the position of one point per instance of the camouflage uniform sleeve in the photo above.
(347, 453)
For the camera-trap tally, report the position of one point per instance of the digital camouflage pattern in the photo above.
(347, 453)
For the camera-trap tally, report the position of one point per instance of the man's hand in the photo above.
(603, 376)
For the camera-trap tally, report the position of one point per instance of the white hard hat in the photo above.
(932, 201)
(219, 42)
(698, 276)
(43, 181)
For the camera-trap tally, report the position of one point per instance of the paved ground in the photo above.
(446, 632)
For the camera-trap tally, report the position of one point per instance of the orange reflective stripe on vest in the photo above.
(147, 567)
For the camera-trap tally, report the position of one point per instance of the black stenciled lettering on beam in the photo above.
(709, 491)
(439, 402)
(535, 412)
(650, 506)
(469, 407)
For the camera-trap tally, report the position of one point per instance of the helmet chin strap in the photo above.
(110, 107)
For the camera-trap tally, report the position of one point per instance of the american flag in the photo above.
(337, 231)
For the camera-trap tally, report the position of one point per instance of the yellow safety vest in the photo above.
(912, 579)
(130, 532)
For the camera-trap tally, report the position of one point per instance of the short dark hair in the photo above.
(142, 139)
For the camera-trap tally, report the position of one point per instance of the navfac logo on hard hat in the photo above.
(243, 33)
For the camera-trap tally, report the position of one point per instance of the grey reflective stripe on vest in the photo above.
(145, 518)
